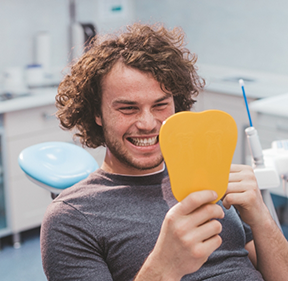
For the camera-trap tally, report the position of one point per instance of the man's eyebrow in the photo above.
(129, 102)
(163, 98)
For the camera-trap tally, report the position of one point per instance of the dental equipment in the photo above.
(269, 165)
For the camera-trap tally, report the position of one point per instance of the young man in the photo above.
(122, 222)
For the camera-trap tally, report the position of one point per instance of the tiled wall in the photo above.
(241, 33)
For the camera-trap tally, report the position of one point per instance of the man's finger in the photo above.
(236, 168)
(235, 177)
(208, 230)
(194, 201)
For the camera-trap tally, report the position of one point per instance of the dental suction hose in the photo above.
(255, 147)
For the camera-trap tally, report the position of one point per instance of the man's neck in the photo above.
(110, 168)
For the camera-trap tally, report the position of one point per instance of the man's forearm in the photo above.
(154, 271)
(272, 250)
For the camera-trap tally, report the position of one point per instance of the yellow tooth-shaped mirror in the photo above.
(198, 149)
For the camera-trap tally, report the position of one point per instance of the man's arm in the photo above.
(270, 244)
(188, 236)
(68, 248)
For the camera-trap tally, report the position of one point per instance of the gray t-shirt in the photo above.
(104, 227)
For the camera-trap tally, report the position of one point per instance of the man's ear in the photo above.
(98, 120)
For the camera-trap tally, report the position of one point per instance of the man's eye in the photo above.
(161, 105)
(128, 109)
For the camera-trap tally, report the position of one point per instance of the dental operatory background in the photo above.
(234, 40)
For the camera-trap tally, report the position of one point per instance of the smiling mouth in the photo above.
(143, 141)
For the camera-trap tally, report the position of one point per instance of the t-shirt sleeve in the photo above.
(248, 232)
(68, 246)
(247, 229)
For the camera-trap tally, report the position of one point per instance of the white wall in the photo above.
(249, 34)
(21, 20)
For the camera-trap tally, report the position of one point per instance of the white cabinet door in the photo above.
(28, 203)
(30, 121)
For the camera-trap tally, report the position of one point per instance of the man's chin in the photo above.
(142, 166)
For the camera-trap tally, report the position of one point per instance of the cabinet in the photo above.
(233, 105)
(26, 202)
(3, 188)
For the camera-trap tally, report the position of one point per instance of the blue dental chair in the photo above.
(56, 165)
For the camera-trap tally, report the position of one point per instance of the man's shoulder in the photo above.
(92, 186)
(78, 200)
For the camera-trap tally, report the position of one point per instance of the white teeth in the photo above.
(144, 141)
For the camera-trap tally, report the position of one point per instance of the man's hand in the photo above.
(244, 194)
(188, 236)
(271, 245)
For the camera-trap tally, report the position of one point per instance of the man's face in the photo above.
(133, 109)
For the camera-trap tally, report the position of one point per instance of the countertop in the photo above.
(277, 105)
(258, 85)
(35, 98)
(219, 79)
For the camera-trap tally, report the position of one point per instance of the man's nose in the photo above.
(146, 121)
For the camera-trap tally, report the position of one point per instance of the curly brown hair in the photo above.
(148, 48)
